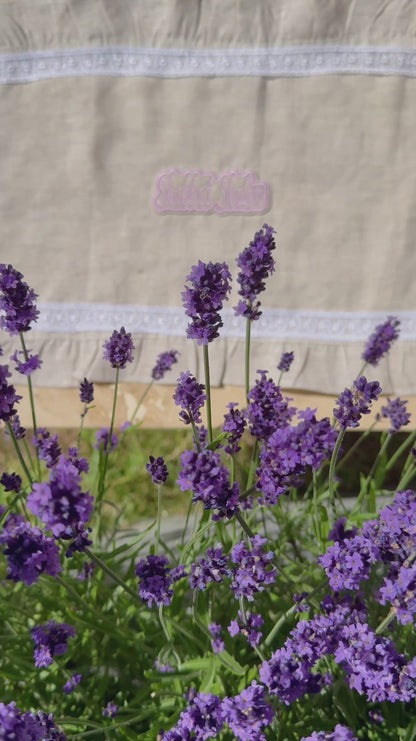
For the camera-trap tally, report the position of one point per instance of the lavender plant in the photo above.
(283, 613)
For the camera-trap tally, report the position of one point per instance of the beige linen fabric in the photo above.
(80, 156)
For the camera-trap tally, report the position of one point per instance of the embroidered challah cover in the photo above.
(137, 138)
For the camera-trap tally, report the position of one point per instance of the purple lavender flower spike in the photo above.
(26, 367)
(202, 718)
(189, 395)
(78, 461)
(340, 733)
(253, 570)
(157, 469)
(290, 451)
(164, 363)
(400, 592)
(47, 446)
(70, 685)
(11, 482)
(210, 287)
(234, 424)
(267, 409)
(18, 726)
(18, 431)
(381, 340)
(86, 391)
(102, 437)
(351, 404)
(17, 301)
(29, 552)
(118, 350)
(395, 410)
(256, 264)
(209, 480)
(111, 710)
(8, 396)
(247, 713)
(285, 362)
(217, 642)
(51, 640)
(60, 503)
(156, 579)
(249, 626)
(211, 569)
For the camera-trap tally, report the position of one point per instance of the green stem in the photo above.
(105, 729)
(253, 467)
(360, 439)
(29, 383)
(291, 611)
(101, 483)
(244, 617)
(164, 626)
(196, 617)
(19, 453)
(375, 464)
(81, 427)
(387, 620)
(194, 538)
(208, 392)
(10, 508)
(195, 432)
(247, 356)
(244, 525)
(113, 575)
(407, 443)
(232, 470)
(141, 400)
(159, 517)
(406, 479)
(331, 475)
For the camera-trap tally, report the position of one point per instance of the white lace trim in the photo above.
(285, 61)
(279, 324)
